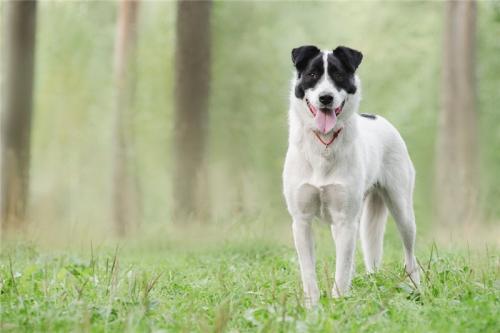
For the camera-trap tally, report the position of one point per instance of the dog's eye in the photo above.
(313, 75)
(339, 77)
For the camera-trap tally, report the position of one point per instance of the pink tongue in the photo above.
(325, 122)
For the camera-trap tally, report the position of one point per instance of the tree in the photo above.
(457, 150)
(125, 185)
(17, 110)
(192, 79)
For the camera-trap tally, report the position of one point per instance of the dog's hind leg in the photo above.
(400, 204)
(373, 220)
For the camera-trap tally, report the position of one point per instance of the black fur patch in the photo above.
(341, 75)
(342, 64)
(310, 75)
(302, 55)
(368, 115)
(349, 57)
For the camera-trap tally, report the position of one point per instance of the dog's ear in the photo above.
(301, 56)
(349, 57)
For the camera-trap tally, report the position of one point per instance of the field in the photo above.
(246, 283)
(238, 272)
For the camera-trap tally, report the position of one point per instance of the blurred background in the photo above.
(124, 117)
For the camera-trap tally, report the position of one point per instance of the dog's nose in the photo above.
(326, 99)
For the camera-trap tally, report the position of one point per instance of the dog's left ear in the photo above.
(349, 57)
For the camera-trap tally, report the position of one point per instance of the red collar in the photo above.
(335, 134)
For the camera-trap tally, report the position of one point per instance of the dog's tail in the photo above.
(373, 219)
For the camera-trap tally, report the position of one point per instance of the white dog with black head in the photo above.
(343, 167)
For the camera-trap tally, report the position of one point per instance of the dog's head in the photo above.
(326, 83)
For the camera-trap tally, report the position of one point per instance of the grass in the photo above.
(240, 285)
(236, 280)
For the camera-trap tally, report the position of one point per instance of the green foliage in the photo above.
(250, 282)
(239, 287)
(72, 136)
(488, 69)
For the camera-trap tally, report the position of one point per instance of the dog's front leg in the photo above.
(344, 208)
(307, 205)
(304, 244)
(344, 235)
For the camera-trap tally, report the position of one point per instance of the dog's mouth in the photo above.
(314, 111)
(325, 118)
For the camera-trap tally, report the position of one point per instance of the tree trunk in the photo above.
(126, 204)
(457, 154)
(18, 65)
(192, 80)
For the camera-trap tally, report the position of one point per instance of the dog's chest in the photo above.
(323, 201)
(324, 168)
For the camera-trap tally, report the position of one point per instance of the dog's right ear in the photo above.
(301, 56)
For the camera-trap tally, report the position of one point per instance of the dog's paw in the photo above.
(338, 293)
(311, 298)
(311, 302)
(414, 275)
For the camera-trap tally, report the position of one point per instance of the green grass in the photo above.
(234, 278)
(239, 285)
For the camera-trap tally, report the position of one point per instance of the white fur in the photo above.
(366, 169)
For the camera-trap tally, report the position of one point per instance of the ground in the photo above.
(240, 284)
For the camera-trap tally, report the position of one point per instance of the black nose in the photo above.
(326, 99)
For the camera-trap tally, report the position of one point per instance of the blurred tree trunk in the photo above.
(18, 56)
(457, 153)
(192, 78)
(126, 205)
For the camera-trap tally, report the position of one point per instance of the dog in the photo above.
(346, 168)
